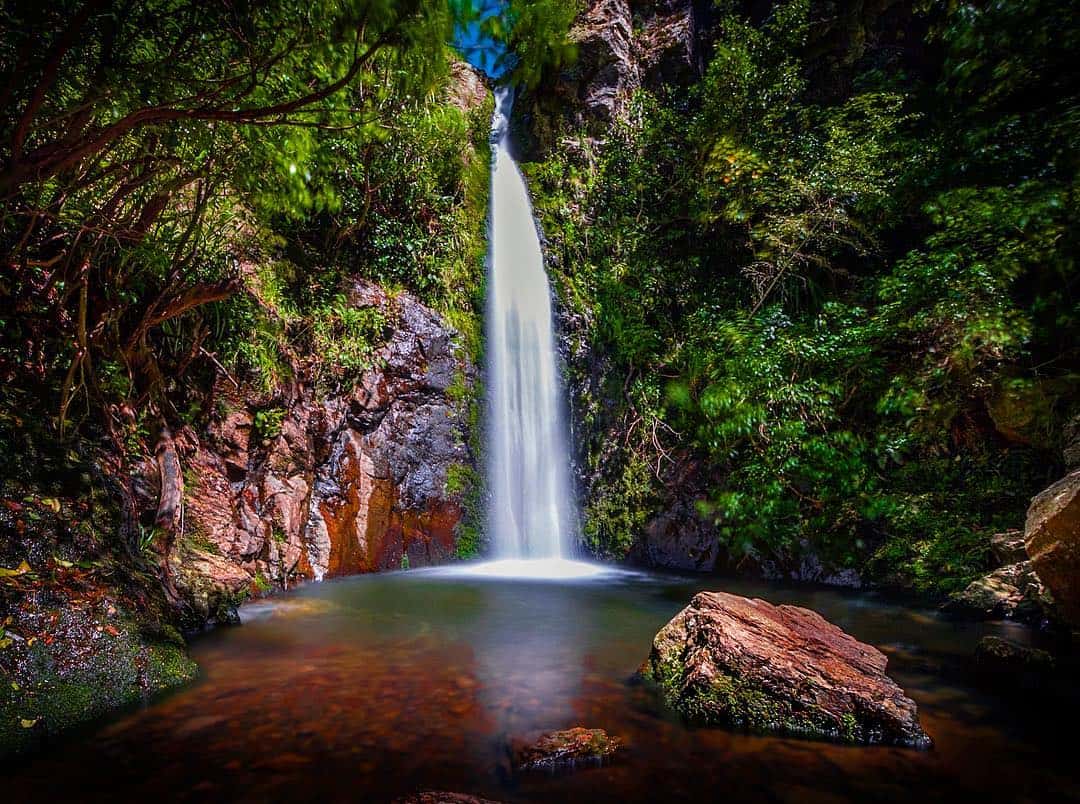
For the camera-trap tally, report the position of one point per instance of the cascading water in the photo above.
(532, 517)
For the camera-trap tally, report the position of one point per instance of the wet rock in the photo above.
(213, 587)
(328, 485)
(677, 538)
(568, 749)
(1013, 591)
(1008, 547)
(728, 660)
(443, 797)
(1052, 536)
(1005, 657)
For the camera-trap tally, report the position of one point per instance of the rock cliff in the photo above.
(302, 487)
(622, 46)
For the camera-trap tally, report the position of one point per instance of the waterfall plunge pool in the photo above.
(373, 687)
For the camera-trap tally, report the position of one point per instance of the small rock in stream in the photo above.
(443, 797)
(1004, 657)
(567, 750)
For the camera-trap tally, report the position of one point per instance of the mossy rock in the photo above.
(94, 664)
(729, 701)
(567, 750)
(731, 661)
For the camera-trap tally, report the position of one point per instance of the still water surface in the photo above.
(368, 688)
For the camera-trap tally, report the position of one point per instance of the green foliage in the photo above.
(537, 37)
(266, 423)
(261, 583)
(856, 310)
(465, 485)
(517, 41)
(346, 336)
(151, 180)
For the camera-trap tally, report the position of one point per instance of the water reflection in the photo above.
(370, 688)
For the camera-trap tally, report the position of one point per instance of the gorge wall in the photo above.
(304, 488)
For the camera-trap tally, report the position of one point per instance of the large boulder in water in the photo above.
(1052, 535)
(728, 660)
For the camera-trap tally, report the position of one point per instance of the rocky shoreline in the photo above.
(276, 491)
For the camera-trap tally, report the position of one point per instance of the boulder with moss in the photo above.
(731, 661)
(1012, 591)
(567, 750)
(70, 659)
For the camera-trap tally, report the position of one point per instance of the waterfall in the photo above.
(532, 506)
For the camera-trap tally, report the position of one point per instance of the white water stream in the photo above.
(532, 517)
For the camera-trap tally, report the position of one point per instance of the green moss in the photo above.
(63, 685)
(459, 389)
(465, 484)
(737, 703)
(619, 507)
(849, 727)
(266, 423)
(460, 477)
(469, 539)
(196, 538)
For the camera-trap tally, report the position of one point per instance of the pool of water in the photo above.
(369, 688)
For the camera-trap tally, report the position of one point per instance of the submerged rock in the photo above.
(443, 797)
(1052, 536)
(731, 661)
(567, 749)
(1005, 657)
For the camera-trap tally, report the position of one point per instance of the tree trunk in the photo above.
(170, 501)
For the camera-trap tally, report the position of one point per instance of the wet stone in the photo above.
(443, 797)
(567, 750)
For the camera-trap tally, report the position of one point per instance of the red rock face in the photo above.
(367, 530)
(351, 483)
(729, 660)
